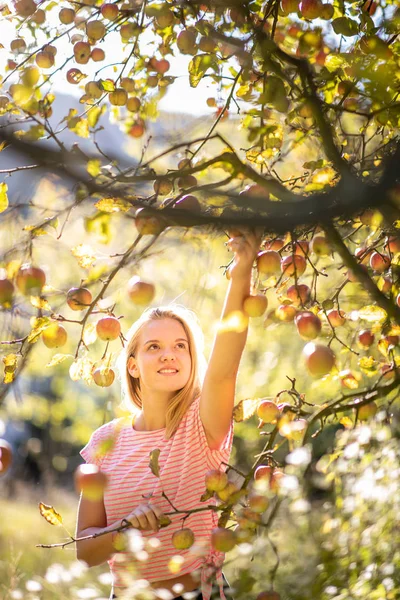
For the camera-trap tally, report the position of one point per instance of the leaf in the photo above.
(81, 128)
(368, 365)
(345, 26)
(3, 197)
(206, 496)
(107, 85)
(82, 369)
(153, 464)
(41, 303)
(89, 334)
(50, 514)
(198, 66)
(99, 225)
(94, 115)
(245, 409)
(335, 61)
(346, 422)
(164, 521)
(10, 366)
(38, 325)
(93, 167)
(372, 314)
(111, 205)
(58, 359)
(84, 254)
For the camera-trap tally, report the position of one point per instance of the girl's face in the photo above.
(162, 359)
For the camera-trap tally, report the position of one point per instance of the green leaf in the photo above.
(153, 464)
(94, 115)
(198, 66)
(3, 197)
(345, 26)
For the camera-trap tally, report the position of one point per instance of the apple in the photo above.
(388, 372)
(148, 223)
(228, 492)
(327, 12)
(293, 429)
(365, 338)
(310, 9)
(183, 538)
(186, 41)
(25, 8)
(133, 104)
(248, 519)
(137, 129)
(255, 190)
(308, 325)
(320, 246)
(39, 17)
(140, 292)
(184, 163)
(268, 595)
(275, 244)
(6, 292)
(128, 84)
(164, 19)
(392, 244)
(371, 217)
(370, 7)
(290, 6)
(18, 45)
(391, 340)
(74, 76)
(95, 30)
(118, 97)
(299, 294)
(285, 312)
(319, 359)
(79, 298)
(109, 11)
(293, 264)
(269, 262)
(363, 254)
(93, 90)
(379, 262)
(30, 76)
(367, 411)
(188, 202)
(187, 181)
(5, 456)
(385, 284)
(44, 60)
(255, 305)
(336, 317)
(257, 502)
(4, 101)
(222, 540)
(398, 299)
(91, 481)
(97, 54)
(301, 247)
(54, 336)
(270, 474)
(66, 16)
(207, 44)
(163, 186)
(108, 328)
(216, 480)
(103, 376)
(30, 280)
(82, 52)
(268, 411)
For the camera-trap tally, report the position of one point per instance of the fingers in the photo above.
(145, 517)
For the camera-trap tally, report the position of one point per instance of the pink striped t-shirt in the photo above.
(183, 462)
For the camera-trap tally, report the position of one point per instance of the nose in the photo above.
(168, 355)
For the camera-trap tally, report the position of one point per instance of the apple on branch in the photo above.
(222, 539)
(140, 292)
(108, 328)
(79, 298)
(183, 539)
(54, 336)
(216, 480)
(5, 456)
(91, 481)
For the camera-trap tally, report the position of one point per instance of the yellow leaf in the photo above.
(41, 303)
(89, 334)
(110, 205)
(347, 422)
(94, 115)
(84, 254)
(36, 230)
(93, 167)
(10, 365)
(153, 464)
(372, 314)
(38, 325)
(245, 409)
(368, 365)
(3, 197)
(236, 321)
(50, 514)
(324, 176)
(58, 359)
(82, 369)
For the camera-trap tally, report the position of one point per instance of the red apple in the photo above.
(311, 9)
(336, 317)
(140, 292)
(270, 474)
(308, 325)
(290, 6)
(30, 280)
(54, 336)
(255, 305)
(163, 186)
(108, 328)
(66, 16)
(109, 11)
(183, 538)
(365, 338)
(91, 481)
(133, 104)
(228, 492)
(299, 294)
(327, 12)
(222, 540)
(95, 30)
(186, 41)
(268, 411)
(118, 97)
(363, 254)
(319, 359)
(301, 247)
(269, 262)
(186, 182)
(293, 264)
(367, 411)
(6, 292)
(393, 244)
(379, 262)
(79, 298)
(320, 246)
(5, 456)
(276, 244)
(44, 60)
(257, 502)
(103, 376)
(285, 312)
(148, 223)
(25, 8)
(189, 203)
(216, 480)
(97, 54)
(391, 340)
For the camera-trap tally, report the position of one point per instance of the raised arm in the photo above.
(218, 393)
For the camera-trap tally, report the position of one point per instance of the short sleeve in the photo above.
(100, 442)
(214, 458)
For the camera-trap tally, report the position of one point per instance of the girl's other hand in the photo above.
(145, 517)
(245, 245)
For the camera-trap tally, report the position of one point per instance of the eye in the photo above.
(182, 345)
(153, 346)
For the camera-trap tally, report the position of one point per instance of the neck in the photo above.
(153, 413)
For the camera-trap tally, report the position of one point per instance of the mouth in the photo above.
(168, 371)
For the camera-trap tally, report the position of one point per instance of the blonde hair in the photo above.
(180, 402)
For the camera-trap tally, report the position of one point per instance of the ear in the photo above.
(132, 367)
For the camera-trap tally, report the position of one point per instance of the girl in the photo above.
(185, 414)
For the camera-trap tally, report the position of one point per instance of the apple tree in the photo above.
(301, 140)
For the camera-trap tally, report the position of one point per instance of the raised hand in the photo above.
(245, 244)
